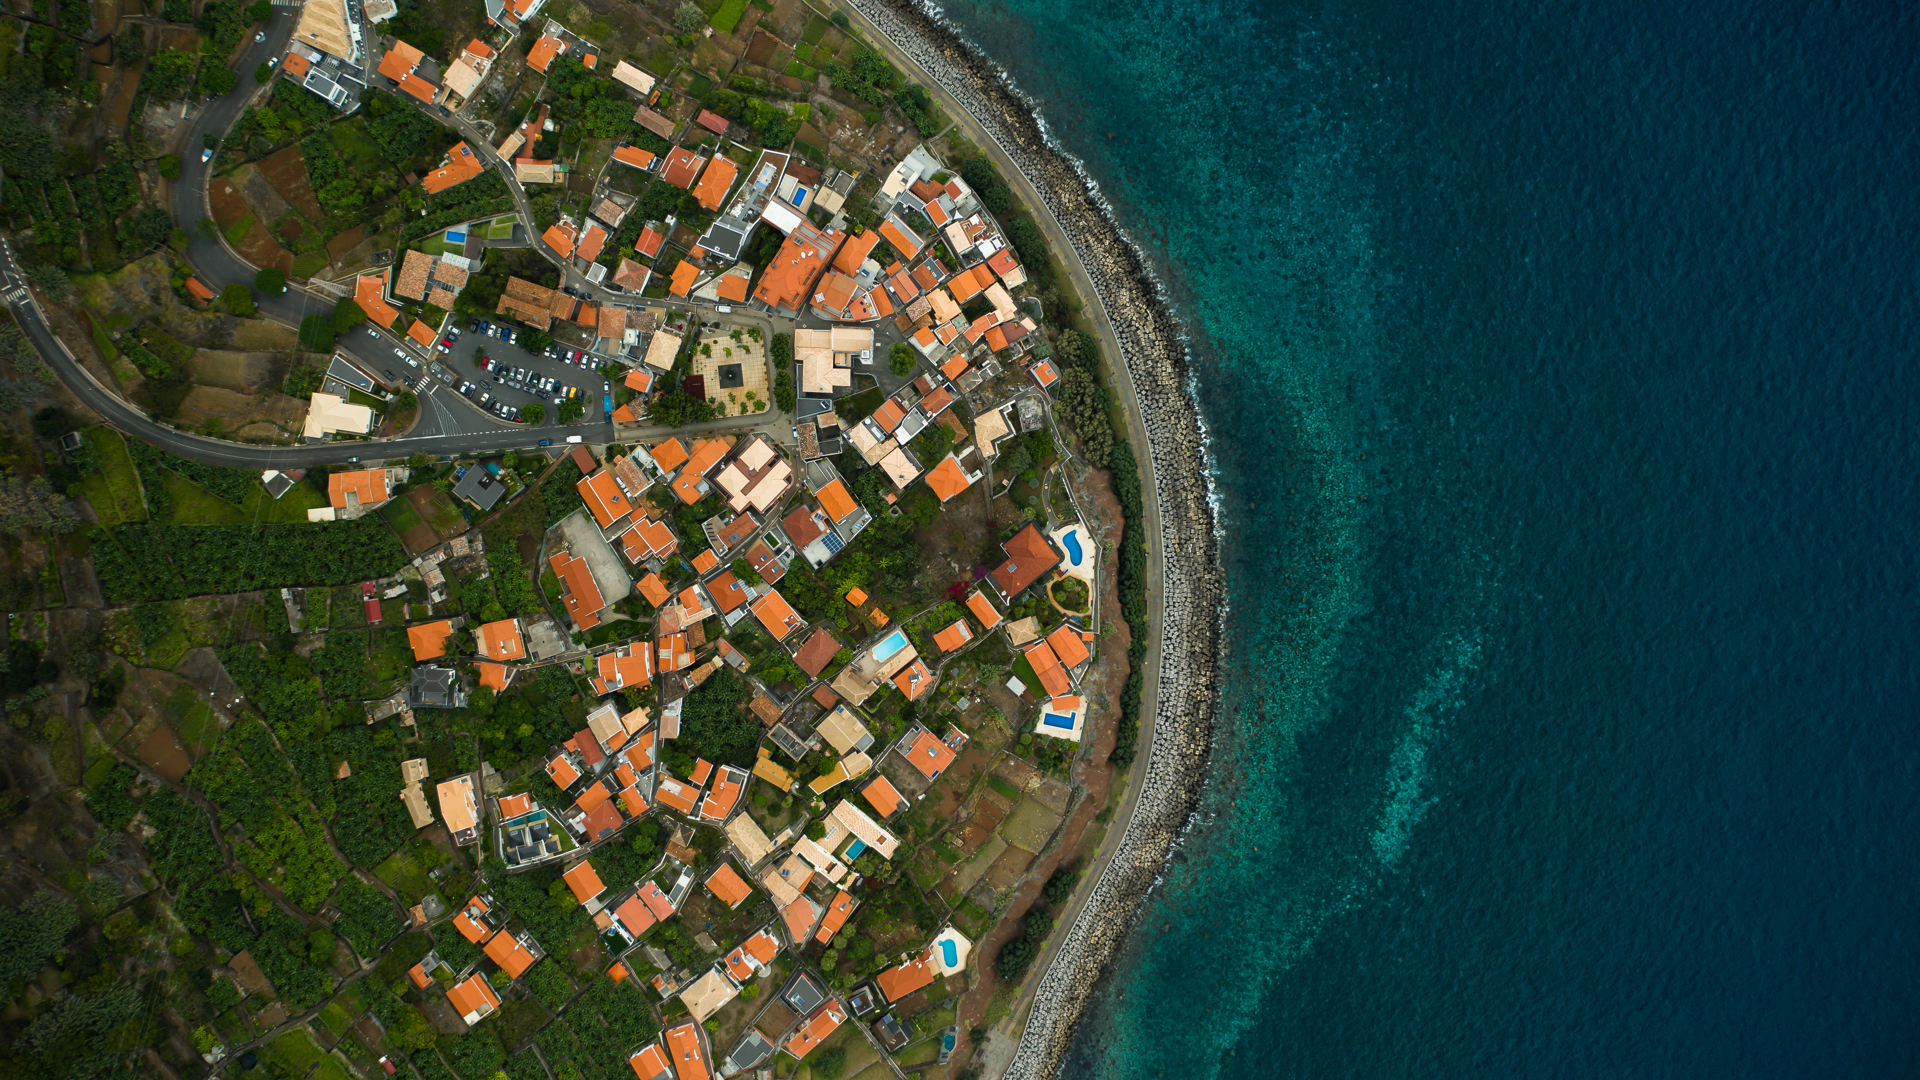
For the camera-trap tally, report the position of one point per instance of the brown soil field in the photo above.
(121, 103)
(287, 172)
(761, 49)
(234, 370)
(233, 408)
(262, 196)
(259, 247)
(163, 753)
(265, 335)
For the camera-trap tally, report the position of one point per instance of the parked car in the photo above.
(546, 442)
(206, 155)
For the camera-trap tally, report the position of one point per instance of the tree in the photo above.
(316, 335)
(33, 504)
(900, 358)
(238, 298)
(260, 11)
(688, 18)
(170, 166)
(533, 413)
(270, 280)
(50, 280)
(206, 228)
(263, 73)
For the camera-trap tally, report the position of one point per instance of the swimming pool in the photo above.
(889, 645)
(854, 849)
(1054, 719)
(455, 236)
(948, 953)
(1071, 538)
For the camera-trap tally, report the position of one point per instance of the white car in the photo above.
(259, 37)
(206, 155)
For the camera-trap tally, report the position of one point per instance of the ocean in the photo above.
(1559, 368)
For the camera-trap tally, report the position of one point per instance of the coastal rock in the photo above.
(1153, 349)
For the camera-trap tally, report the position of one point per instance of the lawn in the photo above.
(501, 228)
(195, 505)
(336, 1017)
(816, 29)
(113, 491)
(288, 509)
(443, 515)
(728, 16)
(400, 515)
(331, 1069)
(305, 266)
(295, 1050)
(404, 876)
(237, 232)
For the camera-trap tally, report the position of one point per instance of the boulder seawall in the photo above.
(1184, 547)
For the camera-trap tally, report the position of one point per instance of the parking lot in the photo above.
(503, 392)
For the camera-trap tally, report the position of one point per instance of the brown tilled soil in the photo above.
(259, 247)
(163, 753)
(286, 171)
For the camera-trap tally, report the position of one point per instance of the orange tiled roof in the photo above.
(505, 949)
(728, 886)
(929, 754)
(956, 634)
(473, 996)
(899, 238)
(561, 237)
(421, 333)
(837, 913)
(400, 60)
(591, 242)
(584, 881)
(883, 796)
(367, 292)
(654, 589)
(540, 57)
(684, 275)
(501, 640)
(914, 679)
(604, 497)
(897, 982)
(429, 640)
(462, 165)
(418, 88)
(983, 609)
(634, 156)
(1029, 556)
(854, 252)
(669, 455)
(1068, 645)
(368, 485)
(946, 479)
(199, 289)
(732, 287)
(1046, 667)
(777, 615)
(681, 168)
(714, 184)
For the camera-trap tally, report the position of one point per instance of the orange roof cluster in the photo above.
(705, 455)
(540, 57)
(561, 236)
(400, 61)
(675, 793)
(1046, 667)
(505, 949)
(805, 255)
(837, 913)
(621, 668)
(724, 795)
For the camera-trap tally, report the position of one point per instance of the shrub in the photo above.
(238, 299)
(272, 281)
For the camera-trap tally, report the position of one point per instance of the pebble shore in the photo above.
(1153, 347)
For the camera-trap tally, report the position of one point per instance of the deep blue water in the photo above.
(1560, 367)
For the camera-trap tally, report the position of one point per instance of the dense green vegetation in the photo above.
(167, 562)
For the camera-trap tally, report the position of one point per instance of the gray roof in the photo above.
(480, 488)
(431, 688)
(804, 994)
(752, 1050)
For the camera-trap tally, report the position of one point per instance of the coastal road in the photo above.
(1122, 381)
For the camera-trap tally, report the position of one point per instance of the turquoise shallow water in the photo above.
(1559, 368)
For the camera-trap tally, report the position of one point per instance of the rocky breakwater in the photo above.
(1152, 346)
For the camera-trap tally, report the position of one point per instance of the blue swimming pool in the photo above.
(949, 954)
(1071, 541)
(854, 849)
(455, 236)
(1055, 720)
(889, 645)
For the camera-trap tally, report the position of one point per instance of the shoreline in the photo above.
(1138, 322)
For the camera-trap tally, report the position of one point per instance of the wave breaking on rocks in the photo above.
(1153, 347)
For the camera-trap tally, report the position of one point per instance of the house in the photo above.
(709, 994)
(1054, 679)
(650, 1062)
(542, 55)
(474, 999)
(466, 73)
(983, 609)
(429, 640)
(328, 414)
(583, 600)
(724, 795)
(413, 773)
(1029, 557)
(818, 652)
(604, 498)
(824, 1021)
(787, 285)
(687, 1049)
(472, 920)
(716, 182)
(749, 840)
(431, 686)
(480, 488)
(354, 493)
(954, 636)
(914, 680)
(885, 799)
(927, 753)
(369, 291)
(632, 78)
(510, 953)
(850, 820)
(844, 731)
(899, 981)
(501, 641)
(726, 884)
(458, 809)
(777, 616)
(837, 911)
(752, 956)
(462, 165)
(682, 167)
(584, 881)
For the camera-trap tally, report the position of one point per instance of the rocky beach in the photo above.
(1151, 345)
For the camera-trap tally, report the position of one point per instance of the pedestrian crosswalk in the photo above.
(16, 294)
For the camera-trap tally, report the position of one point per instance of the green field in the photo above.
(305, 266)
(501, 228)
(195, 505)
(288, 509)
(295, 1050)
(816, 29)
(237, 232)
(336, 1018)
(200, 726)
(728, 17)
(114, 491)
(400, 515)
